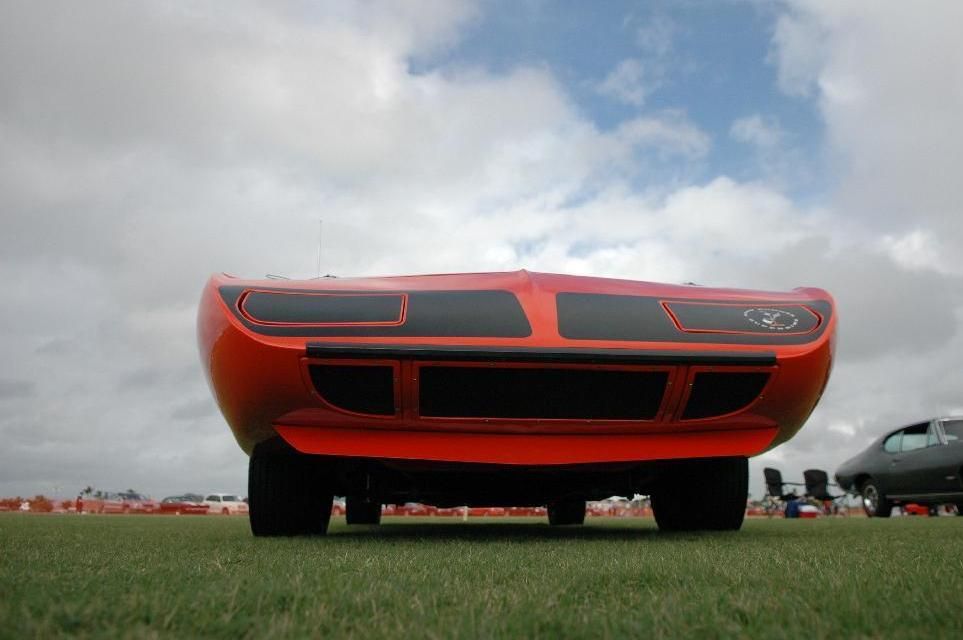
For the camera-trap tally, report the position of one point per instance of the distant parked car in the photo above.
(921, 463)
(225, 504)
(189, 503)
(104, 503)
(137, 503)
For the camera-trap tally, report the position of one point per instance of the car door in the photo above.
(947, 457)
(907, 466)
(915, 466)
(882, 466)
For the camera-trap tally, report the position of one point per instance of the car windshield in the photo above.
(953, 430)
(230, 498)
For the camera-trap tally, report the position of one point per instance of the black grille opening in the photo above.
(572, 394)
(716, 393)
(362, 389)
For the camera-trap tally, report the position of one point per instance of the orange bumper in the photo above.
(263, 384)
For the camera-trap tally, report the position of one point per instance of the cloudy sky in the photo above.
(762, 145)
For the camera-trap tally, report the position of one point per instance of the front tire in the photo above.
(566, 512)
(360, 510)
(290, 494)
(875, 503)
(702, 495)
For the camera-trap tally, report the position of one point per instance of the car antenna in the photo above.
(320, 227)
(320, 237)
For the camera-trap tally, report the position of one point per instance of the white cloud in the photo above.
(669, 133)
(888, 80)
(917, 249)
(654, 37)
(631, 81)
(800, 51)
(757, 131)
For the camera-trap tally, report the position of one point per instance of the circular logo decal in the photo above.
(771, 319)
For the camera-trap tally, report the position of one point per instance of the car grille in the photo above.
(717, 393)
(540, 393)
(528, 392)
(360, 389)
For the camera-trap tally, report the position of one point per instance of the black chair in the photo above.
(774, 485)
(817, 485)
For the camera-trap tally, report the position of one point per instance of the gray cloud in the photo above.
(16, 388)
(139, 379)
(201, 408)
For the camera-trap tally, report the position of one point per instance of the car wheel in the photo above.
(290, 494)
(875, 503)
(566, 512)
(702, 495)
(360, 510)
(225, 511)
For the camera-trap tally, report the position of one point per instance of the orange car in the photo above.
(513, 389)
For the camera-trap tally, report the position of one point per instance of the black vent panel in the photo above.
(357, 388)
(537, 393)
(312, 308)
(717, 393)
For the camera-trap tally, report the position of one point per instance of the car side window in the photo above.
(892, 443)
(914, 438)
(953, 430)
(213, 498)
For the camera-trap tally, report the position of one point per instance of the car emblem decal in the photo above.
(771, 319)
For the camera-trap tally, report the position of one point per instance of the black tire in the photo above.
(875, 503)
(290, 494)
(566, 512)
(702, 495)
(358, 510)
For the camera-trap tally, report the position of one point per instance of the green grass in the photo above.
(120, 576)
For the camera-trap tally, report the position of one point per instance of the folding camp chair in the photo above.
(817, 486)
(774, 485)
(774, 490)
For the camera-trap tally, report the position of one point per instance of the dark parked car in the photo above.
(921, 463)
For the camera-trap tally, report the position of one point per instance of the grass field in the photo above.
(166, 576)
